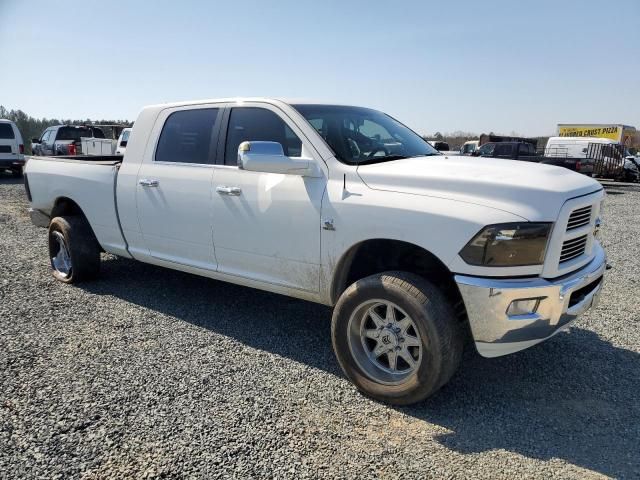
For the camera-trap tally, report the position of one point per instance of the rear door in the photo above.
(503, 150)
(174, 197)
(8, 142)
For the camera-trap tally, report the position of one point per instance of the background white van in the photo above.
(572, 147)
(11, 148)
(605, 157)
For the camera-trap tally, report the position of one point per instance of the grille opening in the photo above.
(580, 294)
(579, 218)
(573, 248)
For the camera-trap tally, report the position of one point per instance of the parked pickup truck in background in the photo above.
(63, 139)
(346, 207)
(526, 151)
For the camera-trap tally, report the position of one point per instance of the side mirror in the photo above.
(269, 157)
(35, 140)
(123, 143)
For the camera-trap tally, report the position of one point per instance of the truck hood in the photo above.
(532, 191)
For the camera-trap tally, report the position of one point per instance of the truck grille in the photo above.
(573, 248)
(579, 218)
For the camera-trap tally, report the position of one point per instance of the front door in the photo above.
(174, 187)
(266, 226)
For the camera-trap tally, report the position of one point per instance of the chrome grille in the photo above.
(573, 248)
(579, 218)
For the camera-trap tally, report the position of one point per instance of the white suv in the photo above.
(122, 141)
(11, 148)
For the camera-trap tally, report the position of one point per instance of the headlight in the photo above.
(508, 245)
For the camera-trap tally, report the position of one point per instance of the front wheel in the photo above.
(396, 337)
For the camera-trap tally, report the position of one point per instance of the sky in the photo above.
(476, 66)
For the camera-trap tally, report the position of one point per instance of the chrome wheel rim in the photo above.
(384, 342)
(60, 257)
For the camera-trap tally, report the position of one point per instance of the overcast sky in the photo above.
(475, 66)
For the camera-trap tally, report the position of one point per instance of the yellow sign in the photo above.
(612, 132)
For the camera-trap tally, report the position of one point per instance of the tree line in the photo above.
(31, 127)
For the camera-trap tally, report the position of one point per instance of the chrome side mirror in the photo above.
(269, 157)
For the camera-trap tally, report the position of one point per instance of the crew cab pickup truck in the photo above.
(344, 206)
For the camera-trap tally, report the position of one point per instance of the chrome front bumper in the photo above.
(561, 300)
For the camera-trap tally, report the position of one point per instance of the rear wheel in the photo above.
(396, 337)
(74, 252)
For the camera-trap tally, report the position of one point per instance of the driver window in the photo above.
(258, 124)
(486, 150)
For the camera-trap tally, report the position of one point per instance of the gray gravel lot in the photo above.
(152, 373)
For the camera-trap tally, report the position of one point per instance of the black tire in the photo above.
(440, 335)
(17, 173)
(82, 247)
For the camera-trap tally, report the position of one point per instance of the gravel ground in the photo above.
(151, 373)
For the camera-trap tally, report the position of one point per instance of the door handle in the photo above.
(148, 183)
(231, 191)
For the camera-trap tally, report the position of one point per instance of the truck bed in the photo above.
(87, 181)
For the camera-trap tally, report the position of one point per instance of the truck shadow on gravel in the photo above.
(8, 179)
(574, 398)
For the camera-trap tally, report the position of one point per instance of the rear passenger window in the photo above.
(6, 131)
(503, 150)
(258, 124)
(187, 137)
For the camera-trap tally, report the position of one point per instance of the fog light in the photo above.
(524, 306)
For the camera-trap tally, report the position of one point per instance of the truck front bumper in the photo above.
(508, 315)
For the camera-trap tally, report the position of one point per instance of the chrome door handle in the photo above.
(232, 191)
(148, 183)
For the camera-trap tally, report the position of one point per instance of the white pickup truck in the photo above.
(347, 207)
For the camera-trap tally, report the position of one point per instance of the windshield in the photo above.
(358, 135)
